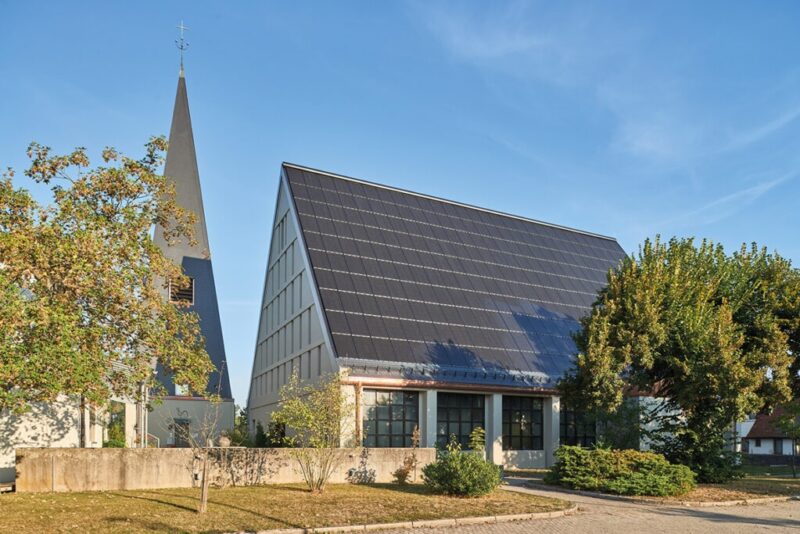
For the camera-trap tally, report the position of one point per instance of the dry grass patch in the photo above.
(250, 508)
(750, 487)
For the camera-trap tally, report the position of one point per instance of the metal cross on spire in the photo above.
(181, 43)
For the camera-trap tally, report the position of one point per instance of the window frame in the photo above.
(517, 441)
(385, 433)
(178, 291)
(579, 436)
(477, 403)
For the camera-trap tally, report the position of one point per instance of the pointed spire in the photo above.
(182, 45)
(181, 169)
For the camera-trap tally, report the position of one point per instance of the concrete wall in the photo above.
(45, 470)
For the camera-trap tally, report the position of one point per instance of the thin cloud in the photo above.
(757, 134)
(475, 38)
(727, 205)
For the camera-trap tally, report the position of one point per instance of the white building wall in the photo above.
(290, 334)
(56, 424)
(767, 446)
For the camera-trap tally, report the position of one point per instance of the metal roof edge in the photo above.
(440, 199)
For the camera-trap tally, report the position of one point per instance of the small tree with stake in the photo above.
(201, 441)
(312, 416)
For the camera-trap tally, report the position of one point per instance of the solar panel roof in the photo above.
(432, 289)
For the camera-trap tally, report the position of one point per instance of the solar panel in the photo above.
(406, 279)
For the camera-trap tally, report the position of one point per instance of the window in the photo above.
(577, 429)
(758, 442)
(181, 435)
(178, 293)
(522, 423)
(777, 447)
(458, 414)
(389, 417)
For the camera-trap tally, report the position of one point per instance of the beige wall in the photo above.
(44, 470)
(201, 414)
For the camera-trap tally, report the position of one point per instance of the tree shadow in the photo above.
(215, 502)
(720, 517)
(45, 424)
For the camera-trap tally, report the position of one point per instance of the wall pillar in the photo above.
(552, 428)
(494, 428)
(428, 418)
(349, 423)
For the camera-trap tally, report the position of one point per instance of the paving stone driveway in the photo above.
(597, 515)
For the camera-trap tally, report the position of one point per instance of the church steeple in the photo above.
(181, 170)
(195, 259)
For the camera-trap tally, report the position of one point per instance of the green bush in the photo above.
(623, 472)
(465, 474)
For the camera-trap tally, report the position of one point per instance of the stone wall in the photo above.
(45, 470)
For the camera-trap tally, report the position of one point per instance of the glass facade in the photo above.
(458, 414)
(389, 417)
(522, 423)
(577, 429)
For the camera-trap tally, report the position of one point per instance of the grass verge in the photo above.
(249, 508)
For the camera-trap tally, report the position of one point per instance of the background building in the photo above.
(444, 316)
(179, 412)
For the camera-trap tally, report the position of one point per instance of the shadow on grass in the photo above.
(211, 501)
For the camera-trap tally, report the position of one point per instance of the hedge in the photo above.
(622, 472)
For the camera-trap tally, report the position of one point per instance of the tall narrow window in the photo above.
(182, 292)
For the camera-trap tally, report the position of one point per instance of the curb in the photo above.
(429, 523)
(640, 500)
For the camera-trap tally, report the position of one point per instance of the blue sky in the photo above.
(624, 118)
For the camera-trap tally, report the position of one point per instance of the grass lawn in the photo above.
(775, 470)
(249, 508)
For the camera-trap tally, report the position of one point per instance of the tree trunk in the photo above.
(794, 449)
(204, 485)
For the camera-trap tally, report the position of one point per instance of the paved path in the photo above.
(599, 515)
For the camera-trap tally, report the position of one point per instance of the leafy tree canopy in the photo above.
(82, 285)
(713, 334)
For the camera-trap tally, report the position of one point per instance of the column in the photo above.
(552, 428)
(494, 428)
(428, 416)
(349, 421)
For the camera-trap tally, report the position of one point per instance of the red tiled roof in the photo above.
(765, 427)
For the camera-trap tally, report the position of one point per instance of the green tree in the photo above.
(312, 415)
(709, 333)
(82, 284)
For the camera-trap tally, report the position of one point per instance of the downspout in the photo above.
(82, 434)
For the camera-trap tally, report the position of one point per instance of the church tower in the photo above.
(177, 407)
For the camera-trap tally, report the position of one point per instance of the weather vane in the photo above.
(181, 43)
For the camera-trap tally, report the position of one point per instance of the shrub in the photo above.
(461, 473)
(623, 472)
(404, 472)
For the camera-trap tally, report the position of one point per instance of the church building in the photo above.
(179, 412)
(441, 315)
